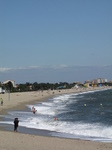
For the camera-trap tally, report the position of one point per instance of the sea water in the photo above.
(86, 115)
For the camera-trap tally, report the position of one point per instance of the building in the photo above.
(7, 81)
(99, 80)
(95, 82)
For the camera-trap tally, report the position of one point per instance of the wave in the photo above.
(65, 108)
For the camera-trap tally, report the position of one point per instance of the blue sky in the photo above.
(55, 40)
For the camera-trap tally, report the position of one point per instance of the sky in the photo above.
(55, 40)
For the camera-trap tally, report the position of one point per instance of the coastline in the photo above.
(18, 101)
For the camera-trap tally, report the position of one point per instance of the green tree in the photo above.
(10, 85)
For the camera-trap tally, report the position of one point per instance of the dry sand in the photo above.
(18, 141)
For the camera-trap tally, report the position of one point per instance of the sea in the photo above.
(85, 116)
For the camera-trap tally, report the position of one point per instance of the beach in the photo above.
(19, 141)
(10, 140)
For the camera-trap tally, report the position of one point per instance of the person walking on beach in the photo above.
(1, 101)
(16, 122)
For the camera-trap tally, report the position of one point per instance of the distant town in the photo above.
(10, 85)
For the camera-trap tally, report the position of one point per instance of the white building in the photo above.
(98, 81)
(12, 81)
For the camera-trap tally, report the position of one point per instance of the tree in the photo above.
(10, 86)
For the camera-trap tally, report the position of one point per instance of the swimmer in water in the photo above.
(34, 110)
(56, 119)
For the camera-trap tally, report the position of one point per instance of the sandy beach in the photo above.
(10, 140)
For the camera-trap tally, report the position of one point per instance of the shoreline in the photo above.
(18, 101)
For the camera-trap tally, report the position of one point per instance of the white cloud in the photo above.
(4, 69)
(62, 66)
(24, 68)
(33, 67)
(58, 66)
(55, 73)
